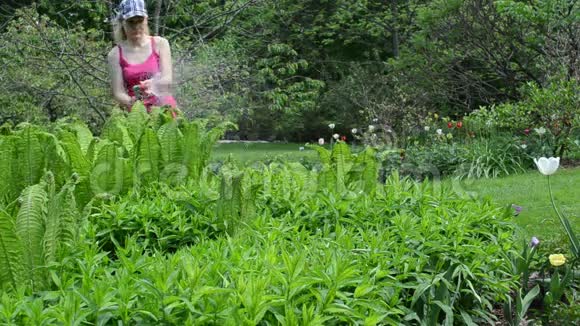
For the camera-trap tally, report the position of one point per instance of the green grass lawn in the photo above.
(250, 152)
(528, 190)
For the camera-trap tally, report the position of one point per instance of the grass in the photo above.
(529, 190)
(251, 152)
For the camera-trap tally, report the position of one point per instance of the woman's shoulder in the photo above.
(162, 41)
(114, 52)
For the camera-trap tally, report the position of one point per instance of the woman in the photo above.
(139, 60)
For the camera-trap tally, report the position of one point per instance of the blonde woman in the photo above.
(139, 59)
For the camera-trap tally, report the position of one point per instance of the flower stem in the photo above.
(565, 223)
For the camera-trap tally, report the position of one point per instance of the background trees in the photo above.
(285, 69)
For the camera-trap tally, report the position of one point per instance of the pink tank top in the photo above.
(135, 73)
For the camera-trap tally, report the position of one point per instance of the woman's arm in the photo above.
(165, 64)
(117, 84)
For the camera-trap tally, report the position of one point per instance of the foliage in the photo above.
(50, 69)
(133, 149)
(553, 109)
(37, 234)
(388, 257)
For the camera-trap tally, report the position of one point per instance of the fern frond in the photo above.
(83, 133)
(107, 172)
(10, 252)
(61, 219)
(29, 156)
(56, 158)
(343, 163)
(147, 156)
(9, 188)
(137, 121)
(30, 230)
(115, 130)
(170, 139)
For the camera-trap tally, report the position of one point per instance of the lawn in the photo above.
(248, 152)
(528, 190)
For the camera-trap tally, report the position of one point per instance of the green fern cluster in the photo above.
(34, 230)
(342, 170)
(133, 149)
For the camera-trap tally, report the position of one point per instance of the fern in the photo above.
(78, 164)
(9, 188)
(107, 172)
(56, 158)
(170, 139)
(61, 219)
(147, 156)
(10, 254)
(326, 176)
(29, 156)
(137, 121)
(343, 163)
(83, 133)
(115, 130)
(366, 170)
(191, 143)
(30, 231)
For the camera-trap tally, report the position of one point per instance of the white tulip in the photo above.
(354, 130)
(321, 141)
(547, 166)
(331, 126)
(524, 146)
(439, 132)
(301, 148)
(371, 128)
(427, 128)
(335, 136)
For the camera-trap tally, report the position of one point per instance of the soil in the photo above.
(570, 163)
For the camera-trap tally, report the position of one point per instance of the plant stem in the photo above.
(565, 223)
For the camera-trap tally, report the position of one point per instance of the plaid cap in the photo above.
(132, 8)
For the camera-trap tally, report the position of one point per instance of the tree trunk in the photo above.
(395, 29)
(156, 16)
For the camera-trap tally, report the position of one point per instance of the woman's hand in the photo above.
(146, 87)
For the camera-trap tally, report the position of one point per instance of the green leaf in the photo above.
(148, 156)
(30, 230)
(10, 252)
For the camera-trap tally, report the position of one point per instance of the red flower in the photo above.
(459, 124)
(527, 131)
(449, 124)
(343, 138)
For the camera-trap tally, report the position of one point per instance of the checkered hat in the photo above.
(132, 8)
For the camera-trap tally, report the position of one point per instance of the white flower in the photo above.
(335, 136)
(354, 130)
(301, 148)
(439, 132)
(427, 128)
(375, 119)
(524, 146)
(321, 141)
(547, 166)
(331, 126)
(371, 128)
(540, 131)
